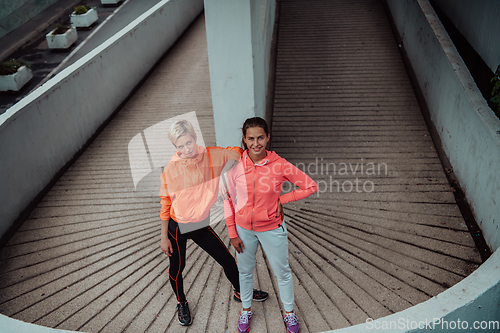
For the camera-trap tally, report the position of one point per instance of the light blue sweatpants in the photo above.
(275, 245)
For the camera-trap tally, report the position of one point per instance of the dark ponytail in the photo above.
(253, 122)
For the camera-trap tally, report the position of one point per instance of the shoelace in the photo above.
(291, 319)
(183, 311)
(244, 317)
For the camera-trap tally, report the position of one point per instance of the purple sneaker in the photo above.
(244, 321)
(292, 323)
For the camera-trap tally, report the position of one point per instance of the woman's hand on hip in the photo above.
(238, 244)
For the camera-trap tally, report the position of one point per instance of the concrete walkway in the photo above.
(384, 233)
(88, 258)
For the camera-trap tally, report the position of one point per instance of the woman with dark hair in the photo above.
(253, 214)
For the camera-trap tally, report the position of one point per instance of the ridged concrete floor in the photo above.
(384, 232)
(88, 257)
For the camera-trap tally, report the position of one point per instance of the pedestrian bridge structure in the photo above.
(382, 239)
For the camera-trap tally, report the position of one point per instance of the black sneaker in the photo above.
(183, 314)
(258, 296)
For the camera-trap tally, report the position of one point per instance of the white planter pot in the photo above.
(110, 2)
(61, 41)
(15, 81)
(84, 20)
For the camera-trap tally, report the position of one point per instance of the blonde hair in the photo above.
(179, 128)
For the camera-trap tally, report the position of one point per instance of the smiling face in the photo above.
(256, 140)
(187, 146)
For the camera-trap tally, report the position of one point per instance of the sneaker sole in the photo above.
(287, 331)
(185, 324)
(248, 330)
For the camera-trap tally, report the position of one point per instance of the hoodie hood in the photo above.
(271, 157)
(256, 188)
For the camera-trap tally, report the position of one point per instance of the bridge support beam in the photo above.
(239, 36)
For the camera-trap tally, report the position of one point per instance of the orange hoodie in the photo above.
(256, 189)
(189, 187)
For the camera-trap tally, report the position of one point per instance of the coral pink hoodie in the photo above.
(189, 187)
(255, 189)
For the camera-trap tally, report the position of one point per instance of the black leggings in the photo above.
(207, 239)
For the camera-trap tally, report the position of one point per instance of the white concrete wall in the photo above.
(468, 128)
(239, 36)
(43, 131)
(10, 325)
(479, 23)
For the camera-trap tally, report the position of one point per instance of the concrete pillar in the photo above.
(239, 35)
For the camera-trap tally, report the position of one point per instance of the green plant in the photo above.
(496, 88)
(11, 66)
(81, 9)
(62, 27)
